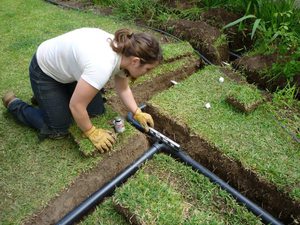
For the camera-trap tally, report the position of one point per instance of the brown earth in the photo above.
(254, 65)
(201, 36)
(258, 190)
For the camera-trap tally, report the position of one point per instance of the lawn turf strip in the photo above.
(172, 51)
(165, 191)
(146, 200)
(254, 139)
(244, 97)
(166, 68)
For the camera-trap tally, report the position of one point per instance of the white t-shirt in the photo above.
(83, 53)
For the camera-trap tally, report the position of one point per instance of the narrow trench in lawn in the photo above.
(248, 183)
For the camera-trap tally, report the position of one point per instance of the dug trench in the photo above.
(247, 182)
(90, 181)
(265, 194)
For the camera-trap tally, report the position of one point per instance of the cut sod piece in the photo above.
(244, 97)
(104, 121)
(256, 140)
(166, 68)
(147, 200)
(177, 50)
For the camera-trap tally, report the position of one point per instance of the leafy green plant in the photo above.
(239, 21)
(288, 69)
(275, 16)
(275, 26)
(286, 96)
(286, 108)
(191, 13)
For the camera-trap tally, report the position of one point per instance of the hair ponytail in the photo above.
(141, 45)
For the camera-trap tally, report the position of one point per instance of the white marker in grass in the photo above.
(221, 79)
(207, 105)
(174, 82)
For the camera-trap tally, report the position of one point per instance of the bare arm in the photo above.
(82, 96)
(125, 93)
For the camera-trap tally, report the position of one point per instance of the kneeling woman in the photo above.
(67, 72)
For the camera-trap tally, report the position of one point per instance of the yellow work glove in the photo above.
(102, 139)
(144, 119)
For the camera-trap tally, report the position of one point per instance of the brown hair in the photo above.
(141, 45)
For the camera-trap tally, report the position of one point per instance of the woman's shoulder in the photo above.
(93, 31)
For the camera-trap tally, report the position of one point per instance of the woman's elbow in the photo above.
(73, 106)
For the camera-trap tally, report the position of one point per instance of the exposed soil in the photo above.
(131, 217)
(258, 190)
(242, 107)
(202, 37)
(255, 65)
(218, 18)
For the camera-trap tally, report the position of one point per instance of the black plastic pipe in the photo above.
(182, 156)
(234, 54)
(255, 209)
(105, 191)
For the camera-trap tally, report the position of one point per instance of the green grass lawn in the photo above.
(31, 172)
(255, 139)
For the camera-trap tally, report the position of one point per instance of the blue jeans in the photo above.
(52, 117)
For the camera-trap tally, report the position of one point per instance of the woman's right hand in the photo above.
(103, 140)
(144, 119)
